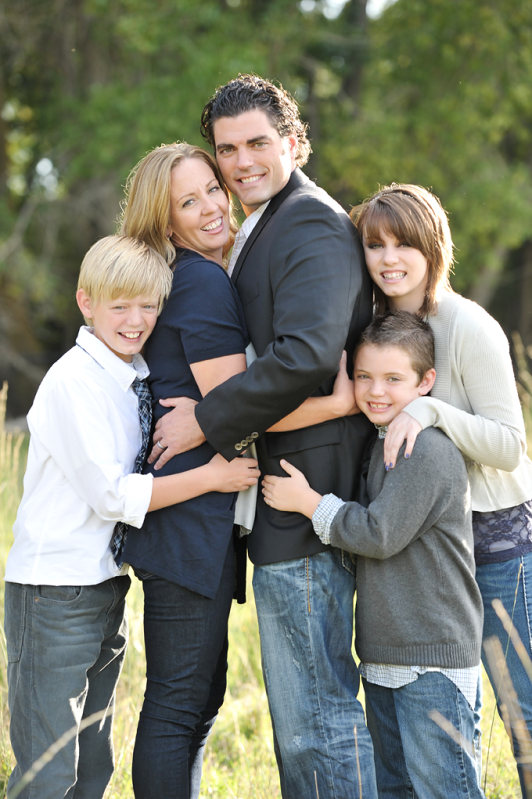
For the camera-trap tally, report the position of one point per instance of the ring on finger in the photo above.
(161, 446)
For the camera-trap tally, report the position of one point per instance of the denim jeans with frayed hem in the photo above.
(305, 612)
(511, 582)
(414, 757)
(66, 646)
(186, 665)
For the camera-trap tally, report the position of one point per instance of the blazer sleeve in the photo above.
(316, 276)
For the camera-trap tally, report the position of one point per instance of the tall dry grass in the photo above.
(239, 762)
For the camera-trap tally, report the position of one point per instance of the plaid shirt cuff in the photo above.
(324, 515)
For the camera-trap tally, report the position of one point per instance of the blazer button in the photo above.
(249, 440)
(238, 447)
(254, 435)
(244, 442)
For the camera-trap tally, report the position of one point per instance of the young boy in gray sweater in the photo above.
(419, 610)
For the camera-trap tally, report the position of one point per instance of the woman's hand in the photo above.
(235, 475)
(402, 427)
(290, 493)
(343, 394)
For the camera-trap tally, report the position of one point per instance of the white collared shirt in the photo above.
(243, 234)
(85, 436)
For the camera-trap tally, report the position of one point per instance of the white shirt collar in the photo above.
(124, 373)
(250, 221)
(245, 231)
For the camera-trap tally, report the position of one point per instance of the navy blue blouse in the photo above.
(203, 319)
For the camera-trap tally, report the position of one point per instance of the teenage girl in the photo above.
(409, 253)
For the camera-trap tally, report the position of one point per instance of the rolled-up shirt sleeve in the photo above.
(324, 515)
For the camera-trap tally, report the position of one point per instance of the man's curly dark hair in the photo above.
(249, 92)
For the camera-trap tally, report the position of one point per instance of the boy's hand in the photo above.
(402, 427)
(343, 390)
(290, 493)
(235, 475)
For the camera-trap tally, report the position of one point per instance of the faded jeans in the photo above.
(66, 646)
(305, 612)
(415, 758)
(511, 582)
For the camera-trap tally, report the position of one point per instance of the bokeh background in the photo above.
(436, 92)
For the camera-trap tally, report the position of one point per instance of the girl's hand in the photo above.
(403, 427)
(290, 493)
(235, 475)
(343, 394)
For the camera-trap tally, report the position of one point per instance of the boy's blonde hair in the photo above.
(415, 215)
(120, 266)
(146, 209)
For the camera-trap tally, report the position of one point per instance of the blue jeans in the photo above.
(414, 757)
(305, 612)
(511, 582)
(186, 666)
(66, 646)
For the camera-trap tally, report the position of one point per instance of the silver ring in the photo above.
(161, 446)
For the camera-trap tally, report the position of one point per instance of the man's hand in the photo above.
(290, 493)
(176, 432)
(402, 427)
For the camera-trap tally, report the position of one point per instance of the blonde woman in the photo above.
(179, 205)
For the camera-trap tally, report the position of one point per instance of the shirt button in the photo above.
(238, 447)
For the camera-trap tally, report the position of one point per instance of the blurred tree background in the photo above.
(437, 92)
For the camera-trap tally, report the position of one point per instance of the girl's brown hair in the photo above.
(415, 215)
(146, 209)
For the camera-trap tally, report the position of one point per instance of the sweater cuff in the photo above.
(423, 411)
(324, 515)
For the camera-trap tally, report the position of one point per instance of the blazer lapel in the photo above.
(297, 179)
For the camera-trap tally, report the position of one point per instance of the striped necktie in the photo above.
(142, 390)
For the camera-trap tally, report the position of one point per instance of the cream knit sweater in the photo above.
(475, 402)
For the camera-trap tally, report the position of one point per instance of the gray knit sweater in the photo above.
(418, 602)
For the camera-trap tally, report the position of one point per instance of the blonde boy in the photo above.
(65, 621)
(419, 610)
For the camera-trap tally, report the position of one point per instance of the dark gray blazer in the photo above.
(307, 295)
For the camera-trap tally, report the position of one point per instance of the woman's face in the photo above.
(398, 269)
(199, 209)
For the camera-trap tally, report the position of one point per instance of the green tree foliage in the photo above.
(437, 92)
(447, 102)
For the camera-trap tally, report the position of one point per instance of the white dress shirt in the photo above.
(243, 234)
(247, 500)
(85, 436)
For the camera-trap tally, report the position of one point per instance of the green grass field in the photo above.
(239, 763)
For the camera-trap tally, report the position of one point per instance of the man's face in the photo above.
(255, 162)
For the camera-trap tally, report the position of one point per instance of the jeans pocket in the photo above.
(59, 593)
(349, 562)
(142, 574)
(15, 620)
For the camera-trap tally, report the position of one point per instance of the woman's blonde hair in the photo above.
(146, 209)
(415, 215)
(120, 266)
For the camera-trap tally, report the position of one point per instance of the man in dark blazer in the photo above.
(306, 295)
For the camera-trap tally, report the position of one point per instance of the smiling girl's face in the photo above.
(398, 269)
(199, 209)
